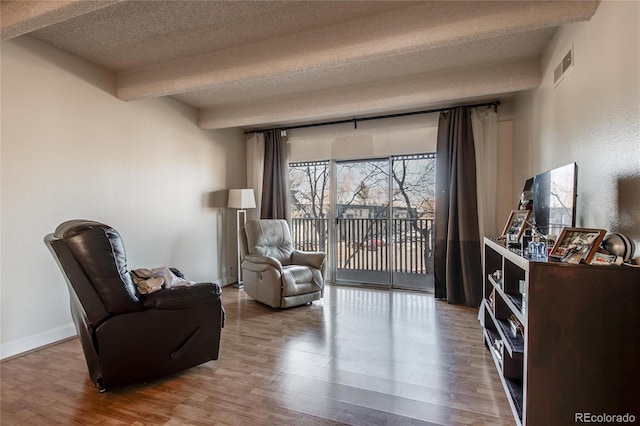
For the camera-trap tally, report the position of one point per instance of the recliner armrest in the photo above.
(182, 297)
(315, 259)
(259, 261)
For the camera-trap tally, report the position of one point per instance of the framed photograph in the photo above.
(516, 224)
(576, 245)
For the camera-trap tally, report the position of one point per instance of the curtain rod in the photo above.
(355, 121)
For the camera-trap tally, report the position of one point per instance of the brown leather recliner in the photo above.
(273, 272)
(125, 336)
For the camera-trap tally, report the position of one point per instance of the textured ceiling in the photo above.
(267, 63)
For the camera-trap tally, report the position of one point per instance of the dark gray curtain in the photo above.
(274, 186)
(457, 261)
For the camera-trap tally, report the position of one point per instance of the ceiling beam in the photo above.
(425, 90)
(399, 32)
(23, 16)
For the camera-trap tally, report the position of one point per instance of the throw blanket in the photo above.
(150, 280)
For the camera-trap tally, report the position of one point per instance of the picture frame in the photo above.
(516, 224)
(577, 245)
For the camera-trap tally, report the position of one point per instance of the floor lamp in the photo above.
(241, 199)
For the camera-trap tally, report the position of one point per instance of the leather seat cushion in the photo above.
(99, 250)
(270, 237)
(300, 279)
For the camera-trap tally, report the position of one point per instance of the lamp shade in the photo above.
(241, 199)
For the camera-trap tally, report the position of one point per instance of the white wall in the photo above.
(376, 138)
(592, 117)
(70, 149)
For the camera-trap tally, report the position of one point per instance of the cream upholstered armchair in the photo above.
(273, 272)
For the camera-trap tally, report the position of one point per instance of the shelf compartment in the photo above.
(513, 301)
(514, 344)
(516, 300)
(511, 276)
(516, 395)
(513, 387)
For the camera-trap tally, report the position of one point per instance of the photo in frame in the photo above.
(516, 224)
(576, 245)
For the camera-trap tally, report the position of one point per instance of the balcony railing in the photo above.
(364, 244)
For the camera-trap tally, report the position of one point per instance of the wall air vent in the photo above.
(563, 67)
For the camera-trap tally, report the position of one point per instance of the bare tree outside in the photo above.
(362, 211)
(362, 183)
(309, 187)
(414, 183)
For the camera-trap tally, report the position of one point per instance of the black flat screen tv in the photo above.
(554, 199)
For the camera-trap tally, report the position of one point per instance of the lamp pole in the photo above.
(240, 199)
(240, 283)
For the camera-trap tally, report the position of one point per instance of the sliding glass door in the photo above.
(413, 200)
(375, 219)
(362, 228)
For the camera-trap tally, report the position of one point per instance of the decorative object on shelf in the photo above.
(619, 245)
(516, 326)
(497, 276)
(240, 199)
(551, 241)
(577, 245)
(516, 225)
(525, 240)
(526, 200)
(492, 300)
(537, 249)
(522, 287)
(498, 344)
(606, 259)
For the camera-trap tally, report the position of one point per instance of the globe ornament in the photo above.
(619, 244)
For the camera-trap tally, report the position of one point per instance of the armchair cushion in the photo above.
(300, 279)
(269, 238)
(199, 294)
(261, 262)
(100, 251)
(315, 259)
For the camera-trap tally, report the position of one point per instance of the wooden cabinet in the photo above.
(579, 353)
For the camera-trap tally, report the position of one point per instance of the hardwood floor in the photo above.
(360, 356)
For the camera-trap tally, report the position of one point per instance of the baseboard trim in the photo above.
(27, 344)
(225, 281)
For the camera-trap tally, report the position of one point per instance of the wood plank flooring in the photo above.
(359, 357)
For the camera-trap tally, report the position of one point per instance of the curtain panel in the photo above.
(275, 186)
(255, 171)
(484, 123)
(457, 259)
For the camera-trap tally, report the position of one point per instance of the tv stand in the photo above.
(579, 352)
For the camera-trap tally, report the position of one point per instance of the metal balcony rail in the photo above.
(364, 244)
